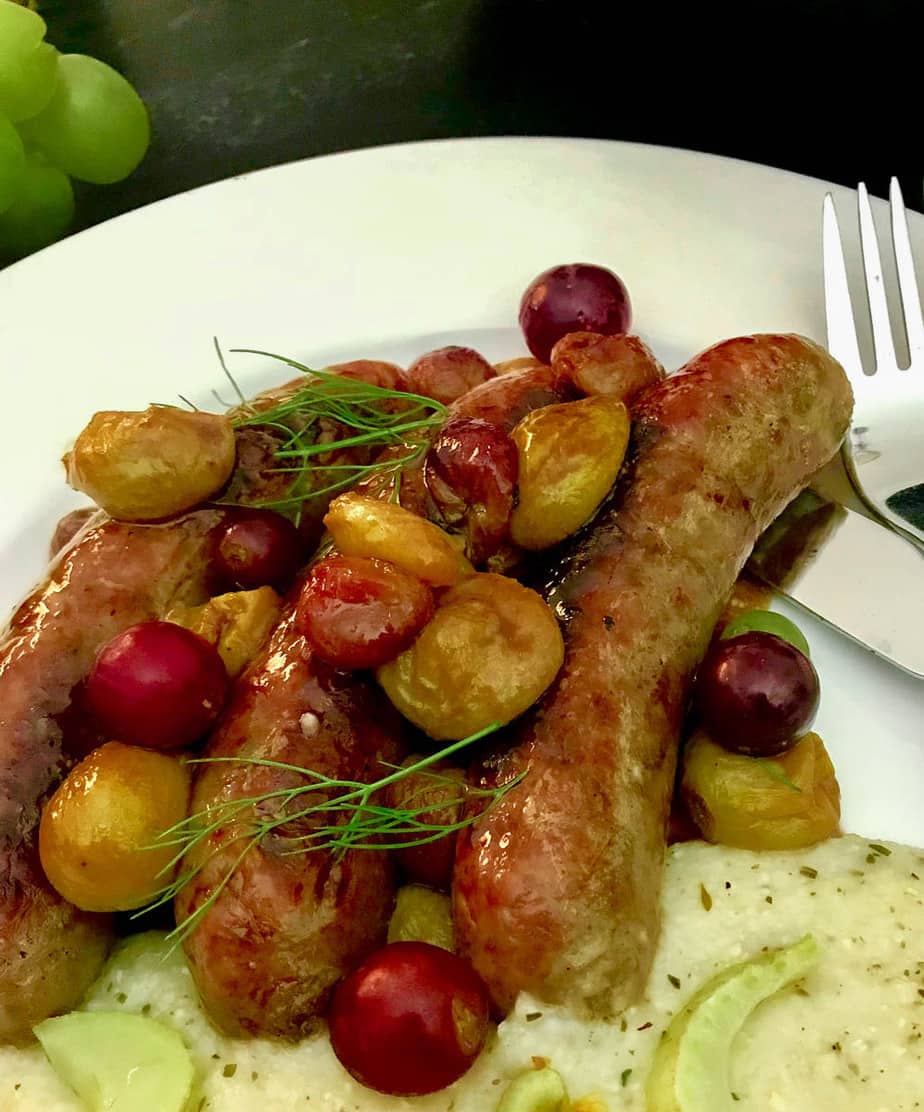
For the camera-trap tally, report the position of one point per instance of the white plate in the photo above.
(392, 251)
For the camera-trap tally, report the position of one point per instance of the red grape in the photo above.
(359, 612)
(410, 1020)
(157, 684)
(577, 297)
(448, 373)
(374, 372)
(756, 694)
(259, 548)
(471, 473)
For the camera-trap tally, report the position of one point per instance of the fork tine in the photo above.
(883, 344)
(839, 323)
(907, 282)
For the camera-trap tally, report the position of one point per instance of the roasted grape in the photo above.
(756, 693)
(489, 651)
(619, 366)
(448, 373)
(520, 363)
(471, 473)
(506, 399)
(577, 297)
(358, 612)
(153, 464)
(236, 623)
(410, 1020)
(258, 548)
(785, 802)
(364, 526)
(157, 684)
(569, 456)
(97, 833)
(422, 915)
(374, 372)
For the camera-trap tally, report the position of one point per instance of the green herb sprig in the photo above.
(374, 417)
(371, 825)
(774, 771)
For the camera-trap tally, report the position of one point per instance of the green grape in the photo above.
(42, 211)
(20, 29)
(27, 83)
(28, 66)
(95, 126)
(12, 160)
(766, 621)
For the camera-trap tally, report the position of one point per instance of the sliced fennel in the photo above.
(535, 1091)
(119, 1062)
(690, 1072)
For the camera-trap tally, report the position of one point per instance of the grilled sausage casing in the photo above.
(113, 576)
(288, 925)
(556, 889)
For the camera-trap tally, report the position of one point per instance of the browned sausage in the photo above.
(556, 889)
(114, 576)
(507, 399)
(269, 949)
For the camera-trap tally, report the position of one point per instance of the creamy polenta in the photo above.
(849, 1037)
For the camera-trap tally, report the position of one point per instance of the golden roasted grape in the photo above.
(363, 526)
(786, 802)
(569, 457)
(97, 830)
(619, 366)
(236, 623)
(422, 915)
(154, 464)
(490, 650)
(520, 363)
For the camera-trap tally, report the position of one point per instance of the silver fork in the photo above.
(884, 450)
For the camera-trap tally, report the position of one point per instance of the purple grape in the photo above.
(471, 471)
(756, 694)
(577, 297)
(258, 548)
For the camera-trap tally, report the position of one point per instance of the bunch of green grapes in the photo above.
(62, 116)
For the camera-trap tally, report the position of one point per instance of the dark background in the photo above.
(829, 88)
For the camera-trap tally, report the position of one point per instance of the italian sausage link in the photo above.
(287, 926)
(111, 577)
(507, 399)
(103, 582)
(556, 889)
(272, 943)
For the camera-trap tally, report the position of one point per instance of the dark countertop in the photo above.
(822, 87)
